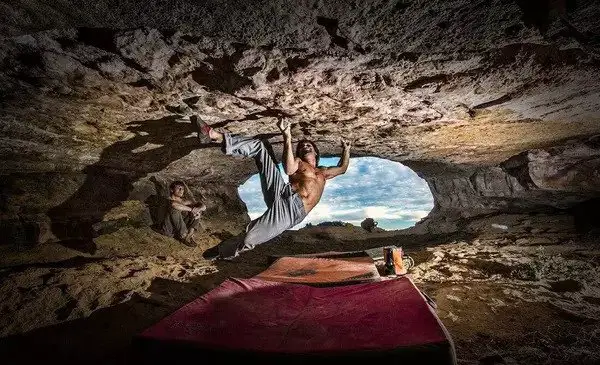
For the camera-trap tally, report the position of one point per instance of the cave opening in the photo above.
(389, 192)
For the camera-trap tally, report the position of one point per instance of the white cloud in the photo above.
(321, 212)
(375, 212)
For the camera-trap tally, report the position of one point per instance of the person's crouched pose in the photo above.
(183, 216)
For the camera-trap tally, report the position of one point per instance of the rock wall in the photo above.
(494, 103)
(536, 180)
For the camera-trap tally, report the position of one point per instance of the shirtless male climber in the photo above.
(287, 204)
(183, 216)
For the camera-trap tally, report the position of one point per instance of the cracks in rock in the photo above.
(407, 56)
(295, 63)
(541, 13)
(220, 74)
(266, 113)
(472, 113)
(592, 142)
(271, 75)
(174, 59)
(543, 54)
(104, 39)
(332, 28)
(517, 167)
(501, 100)
(136, 66)
(133, 272)
(420, 82)
(143, 83)
(402, 5)
(65, 311)
(251, 71)
(191, 102)
(66, 43)
(177, 109)
(536, 13)
(305, 127)
(440, 79)
(251, 100)
(386, 132)
(588, 40)
(191, 38)
(33, 63)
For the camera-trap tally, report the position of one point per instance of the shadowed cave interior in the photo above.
(494, 104)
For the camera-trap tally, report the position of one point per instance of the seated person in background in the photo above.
(183, 216)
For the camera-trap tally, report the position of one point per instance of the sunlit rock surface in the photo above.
(495, 104)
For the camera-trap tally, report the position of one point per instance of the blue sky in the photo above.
(386, 191)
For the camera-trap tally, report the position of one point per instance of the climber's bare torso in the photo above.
(305, 176)
(309, 182)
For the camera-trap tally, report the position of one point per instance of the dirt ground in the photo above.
(509, 297)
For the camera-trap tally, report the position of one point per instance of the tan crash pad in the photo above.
(318, 270)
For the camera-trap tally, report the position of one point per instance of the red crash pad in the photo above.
(266, 317)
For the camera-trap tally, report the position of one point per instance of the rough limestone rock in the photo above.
(496, 104)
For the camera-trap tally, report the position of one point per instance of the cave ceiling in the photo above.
(463, 82)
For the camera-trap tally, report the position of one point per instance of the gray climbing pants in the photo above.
(285, 208)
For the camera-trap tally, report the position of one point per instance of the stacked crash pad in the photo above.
(304, 309)
(321, 270)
